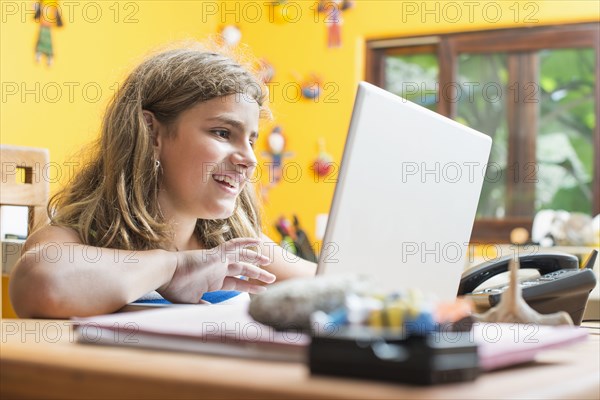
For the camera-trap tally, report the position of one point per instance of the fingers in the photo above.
(239, 243)
(250, 271)
(251, 256)
(237, 250)
(232, 283)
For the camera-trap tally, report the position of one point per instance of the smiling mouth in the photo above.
(226, 181)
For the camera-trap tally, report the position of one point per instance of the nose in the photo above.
(244, 157)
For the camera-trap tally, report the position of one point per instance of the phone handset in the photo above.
(561, 286)
(544, 263)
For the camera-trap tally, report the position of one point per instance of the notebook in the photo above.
(229, 330)
(406, 196)
(210, 329)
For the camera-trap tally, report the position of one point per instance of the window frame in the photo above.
(518, 43)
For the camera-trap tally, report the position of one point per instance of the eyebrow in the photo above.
(233, 122)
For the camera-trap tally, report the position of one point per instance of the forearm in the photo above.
(286, 265)
(68, 279)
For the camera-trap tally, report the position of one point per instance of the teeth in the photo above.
(226, 179)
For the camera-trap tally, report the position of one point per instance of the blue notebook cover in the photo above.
(211, 297)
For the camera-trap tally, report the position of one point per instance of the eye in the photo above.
(222, 133)
(253, 139)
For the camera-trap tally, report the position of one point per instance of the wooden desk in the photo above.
(39, 359)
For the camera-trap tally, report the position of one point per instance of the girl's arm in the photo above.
(59, 277)
(284, 264)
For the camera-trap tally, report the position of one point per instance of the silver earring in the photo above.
(156, 165)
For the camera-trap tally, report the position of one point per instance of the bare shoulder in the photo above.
(51, 234)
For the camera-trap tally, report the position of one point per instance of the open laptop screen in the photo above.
(406, 196)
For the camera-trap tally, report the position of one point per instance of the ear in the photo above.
(153, 127)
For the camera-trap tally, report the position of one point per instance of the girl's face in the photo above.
(208, 158)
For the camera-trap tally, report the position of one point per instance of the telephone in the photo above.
(561, 286)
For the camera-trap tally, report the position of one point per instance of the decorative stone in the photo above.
(289, 304)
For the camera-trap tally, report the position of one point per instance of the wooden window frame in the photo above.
(518, 43)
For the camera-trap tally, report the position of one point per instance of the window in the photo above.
(533, 90)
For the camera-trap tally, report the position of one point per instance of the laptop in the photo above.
(406, 196)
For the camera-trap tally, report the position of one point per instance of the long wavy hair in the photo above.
(113, 200)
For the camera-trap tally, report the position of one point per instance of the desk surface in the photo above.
(40, 359)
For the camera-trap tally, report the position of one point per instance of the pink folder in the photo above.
(229, 330)
(501, 345)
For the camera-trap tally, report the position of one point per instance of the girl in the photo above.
(165, 203)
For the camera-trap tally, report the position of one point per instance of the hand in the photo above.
(201, 271)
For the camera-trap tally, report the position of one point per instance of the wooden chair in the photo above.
(24, 182)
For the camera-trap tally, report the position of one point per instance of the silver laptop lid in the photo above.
(406, 196)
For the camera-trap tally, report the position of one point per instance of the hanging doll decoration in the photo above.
(266, 71)
(47, 14)
(277, 153)
(310, 86)
(323, 165)
(230, 35)
(333, 19)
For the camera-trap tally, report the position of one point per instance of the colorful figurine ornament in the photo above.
(266, 71)
(310, 86)
(47, 14)
(323, 165)
(276, 143)
(230, 35)
(276, 152)
(333, 19)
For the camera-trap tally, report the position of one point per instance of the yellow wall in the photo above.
(92, 51)
(301, 47)
(97, 49)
